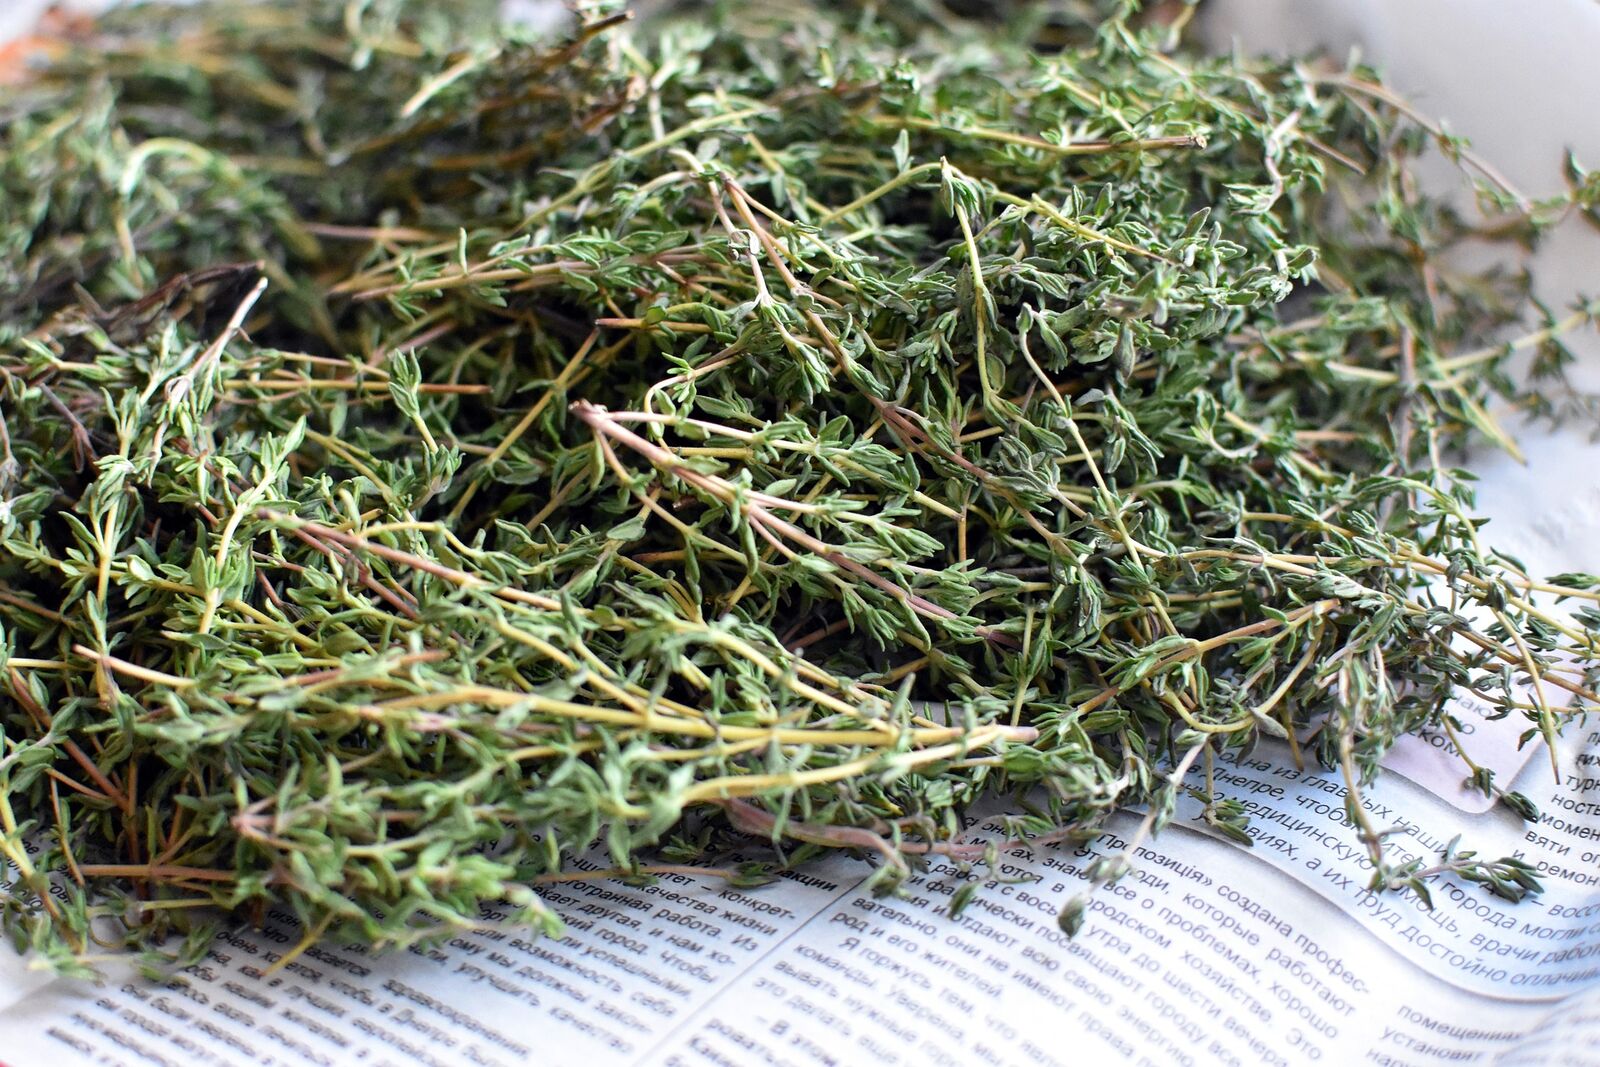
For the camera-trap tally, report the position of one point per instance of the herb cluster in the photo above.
(426, 452)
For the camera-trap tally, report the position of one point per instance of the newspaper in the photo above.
(1208, 953)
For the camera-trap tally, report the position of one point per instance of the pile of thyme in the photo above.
(427, 451)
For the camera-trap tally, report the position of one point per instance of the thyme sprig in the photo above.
(427, 452)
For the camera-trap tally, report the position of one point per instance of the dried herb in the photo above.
(426, 452)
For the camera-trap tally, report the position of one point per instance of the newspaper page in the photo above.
(1208, 953)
